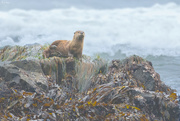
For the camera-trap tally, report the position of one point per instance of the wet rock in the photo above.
(153, 105)
(34, 88)
(144, 74)
(26, 75)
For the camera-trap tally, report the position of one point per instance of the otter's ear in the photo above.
(53, 47)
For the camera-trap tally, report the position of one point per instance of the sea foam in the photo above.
(143, 31)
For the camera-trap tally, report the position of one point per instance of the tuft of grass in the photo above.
(86, 70)
(98, 57)
(45, 46)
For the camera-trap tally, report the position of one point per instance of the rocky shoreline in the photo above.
(59, 89)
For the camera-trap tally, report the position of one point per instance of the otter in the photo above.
(65, 48)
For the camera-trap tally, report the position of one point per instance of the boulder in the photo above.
(26, 75)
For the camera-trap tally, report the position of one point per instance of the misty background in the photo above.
(115, 29)
(83, 4)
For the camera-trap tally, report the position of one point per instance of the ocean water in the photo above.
(151, 32)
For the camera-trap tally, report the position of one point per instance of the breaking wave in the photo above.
(142, 31)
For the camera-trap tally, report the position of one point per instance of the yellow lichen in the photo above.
(173, 96)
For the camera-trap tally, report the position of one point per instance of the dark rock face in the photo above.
(67, 89)
(143, 72)
(28, 65)
(24, 74)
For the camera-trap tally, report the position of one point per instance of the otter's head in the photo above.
(79, 35)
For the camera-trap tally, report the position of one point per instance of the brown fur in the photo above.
(65, 48)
